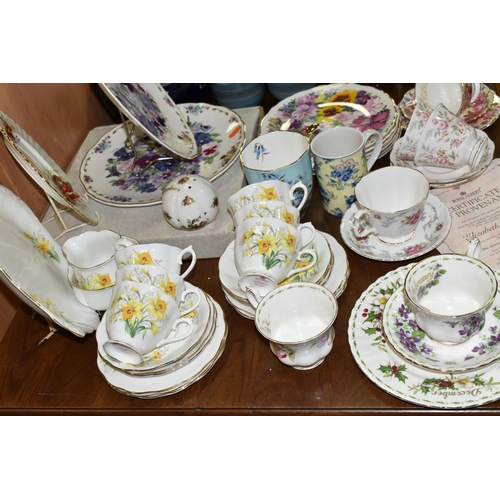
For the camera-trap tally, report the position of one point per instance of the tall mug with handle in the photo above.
(339, 154)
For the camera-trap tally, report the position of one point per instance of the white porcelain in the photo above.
(150, 107)
(449, 295)
(406, 381)
(167, 282)
(445, 177)
(449, 142)
(44, 170)
(142, 318)
(34, 268)
(297, 320)
(190, 202)
(408, 143)
(390, 201)
(277, 209)
(96, 298)
(169, 383)
(279, 155)
(431, 231)
(171, 356)
(160, 254)
(268, 191)
(266, 250)
(340, 160)
(413, 344)
(455, 96)
(108, 175)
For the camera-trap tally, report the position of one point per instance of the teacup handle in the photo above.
(125, 242)
(185, 293)
(305, 228)
(377, 148)
(253, 296)
(303, 187)
(361, 230)
(188, 250)
(474, 248)
(168, 340)
(306, 268)
(476, 90)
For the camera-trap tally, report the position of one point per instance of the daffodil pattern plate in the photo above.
(394, 374)
(33, 266)
(110, 174)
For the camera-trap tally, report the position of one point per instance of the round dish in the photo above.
(150, 107)
(108, 175)
(413, 344)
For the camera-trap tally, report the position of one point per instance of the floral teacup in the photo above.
(391, 202)
(297, 319)
(276, 209)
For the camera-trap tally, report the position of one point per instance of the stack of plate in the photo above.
(482, 113)
(347, 105)
(173, 367)
(331, 271)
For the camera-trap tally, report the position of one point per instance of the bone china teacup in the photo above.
(268, 191)
(450, 294)
(391, 202)
(339, 155)
(160, 254)
(276, 209)
(297, 320)
(455, 96)
(170, 283)
(142, 318)
(266, 250)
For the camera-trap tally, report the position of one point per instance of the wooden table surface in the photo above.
(61, 376)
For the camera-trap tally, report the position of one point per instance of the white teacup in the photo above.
(142, 318)
(267, 191)
(266, 250)
(450, 294)
(159, 254)
(455, 96)
(391, 202)
(96, 297)
(275, 209)
(297, 320)
(167, 282)
(91, 256)
(448, 142)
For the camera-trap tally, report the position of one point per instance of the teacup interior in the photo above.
(391, 189)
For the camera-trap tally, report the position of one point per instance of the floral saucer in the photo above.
(44, 170)
(441, 178)
(392, 373)
(482, 113)
(170, 356)
(34, 268)
(170, 383)
(413, 344)
(150, 107)
(110, 174)
(348, 105)
(429, 234)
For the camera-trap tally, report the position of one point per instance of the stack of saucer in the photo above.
(172, 367)
(331, 271)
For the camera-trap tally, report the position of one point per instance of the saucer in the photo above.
(416, 346)
(448, 177)
(431, 231)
